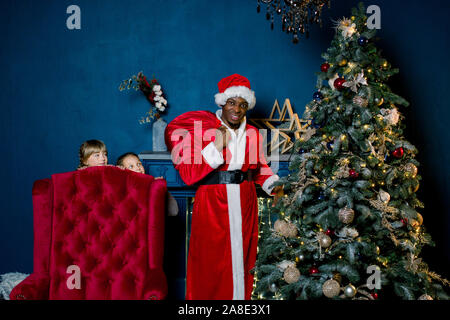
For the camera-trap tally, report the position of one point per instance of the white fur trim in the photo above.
(236, 91)
(267, 185)
(8, 281)
(212, 156)
(237, 252)
(236, 145)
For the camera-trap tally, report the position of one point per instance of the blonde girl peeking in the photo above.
(93, 153)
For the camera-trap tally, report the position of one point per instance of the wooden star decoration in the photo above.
(283, 127)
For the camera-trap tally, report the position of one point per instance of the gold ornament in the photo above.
(383, 196)
(337, 276)
(414, 223)
(419, 219)
(324, 240)
(411, 169)
(293, 128)
(343, 62)
(379, 118)
(379, 102)
(346, 215)
(291, 274)
(280, 226)
(331, 288)
(286, 229)
(425, 297)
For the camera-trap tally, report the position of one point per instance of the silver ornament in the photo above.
(273, 287)
(350, 291)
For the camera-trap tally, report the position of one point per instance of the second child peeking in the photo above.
(130, 161)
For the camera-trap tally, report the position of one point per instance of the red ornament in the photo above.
(398, 153)
(374, 295)
(404, 221)
(353, 173)
(324, 67)
(313, 270)
(329, 232)
(339, 83)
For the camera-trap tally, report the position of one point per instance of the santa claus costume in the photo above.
(224, 230)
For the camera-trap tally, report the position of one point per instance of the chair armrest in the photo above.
(33, 287)
(42, 221)
(156, 285)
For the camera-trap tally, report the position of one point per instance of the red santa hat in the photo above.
(235, 86)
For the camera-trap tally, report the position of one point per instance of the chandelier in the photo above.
(296, 15)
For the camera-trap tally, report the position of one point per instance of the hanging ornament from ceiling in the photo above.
(296, 15)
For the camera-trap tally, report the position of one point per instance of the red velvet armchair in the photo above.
(103, 225)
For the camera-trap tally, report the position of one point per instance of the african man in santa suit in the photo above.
(222, 155)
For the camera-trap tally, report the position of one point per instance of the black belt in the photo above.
(227, 177)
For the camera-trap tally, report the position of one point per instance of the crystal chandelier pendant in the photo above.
(296, 15)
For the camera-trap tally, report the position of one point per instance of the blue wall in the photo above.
(59, 87)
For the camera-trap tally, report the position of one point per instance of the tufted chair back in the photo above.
(99, 234)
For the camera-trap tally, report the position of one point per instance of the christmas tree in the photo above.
(349, 226)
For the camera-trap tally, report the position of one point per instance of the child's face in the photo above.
(132, 163)
(97, 159)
